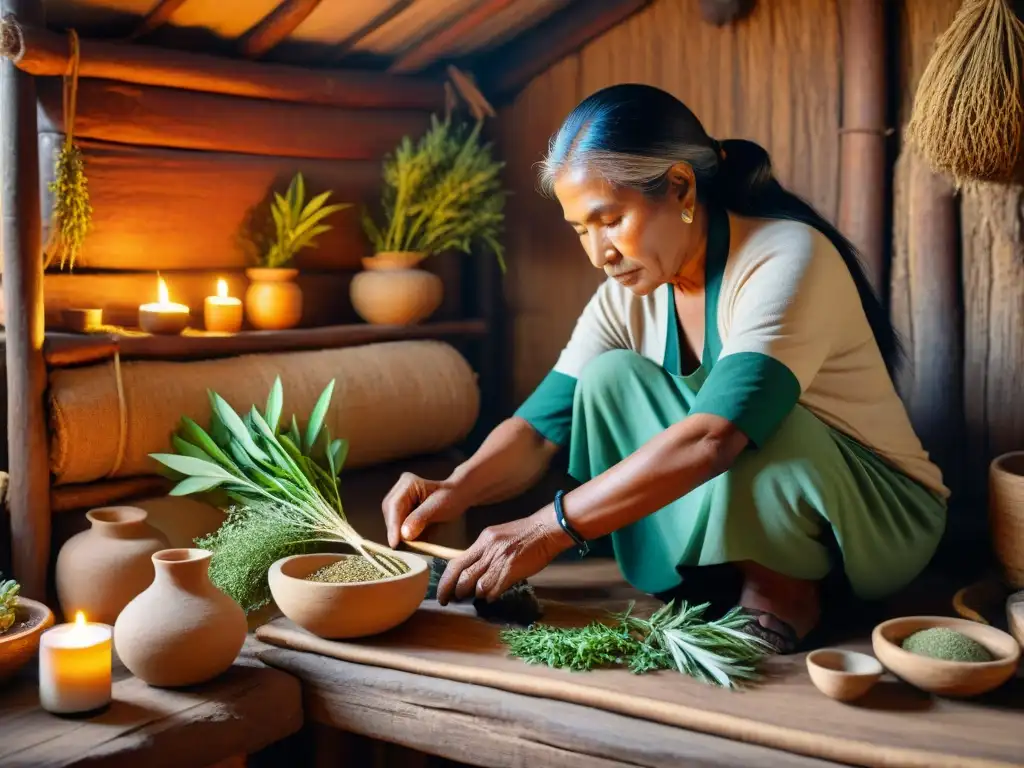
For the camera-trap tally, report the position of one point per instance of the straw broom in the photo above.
(967, 114)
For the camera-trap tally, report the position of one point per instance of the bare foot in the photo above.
(796, 602)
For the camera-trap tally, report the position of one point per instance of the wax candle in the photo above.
(74, 666)
(163, 316)
(222, 313)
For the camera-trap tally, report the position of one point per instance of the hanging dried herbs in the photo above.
(72, 213)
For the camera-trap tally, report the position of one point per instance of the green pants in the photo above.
(774, 506)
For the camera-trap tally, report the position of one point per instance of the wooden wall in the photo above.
(773, 77)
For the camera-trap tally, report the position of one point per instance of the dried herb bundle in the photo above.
(72, 213)
(716, 652)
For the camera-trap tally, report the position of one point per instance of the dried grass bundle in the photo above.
(967, 113)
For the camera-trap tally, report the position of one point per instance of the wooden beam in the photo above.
(275, 27)
(864, 134)
(509, 68)
(158, 15)
(392, 11)
(64, 350)
(425, 52)
(46, 53)
(168, 117)
(28, 492)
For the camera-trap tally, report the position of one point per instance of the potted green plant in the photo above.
(273, 300)
(440, 194)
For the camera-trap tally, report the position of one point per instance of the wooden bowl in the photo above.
(19, 643)
(843, 675)
(938, 676)
(346, 610)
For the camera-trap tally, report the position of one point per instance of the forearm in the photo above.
(666, 468)
(511, 460)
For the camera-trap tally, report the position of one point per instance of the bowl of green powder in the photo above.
(946, 656)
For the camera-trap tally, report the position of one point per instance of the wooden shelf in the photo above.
(67, 349)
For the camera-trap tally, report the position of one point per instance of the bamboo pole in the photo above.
(21, 231)
(862, 141)
(45, 53)
(276, 26)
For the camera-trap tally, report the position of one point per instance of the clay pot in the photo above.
(182, 630)
(393, 291)
(273, 300)
(102, 568)
(841, 674)
(357, 609)
(1006, 515)
(939, 676)
(21, 641)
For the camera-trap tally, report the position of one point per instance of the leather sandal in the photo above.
(783, 640)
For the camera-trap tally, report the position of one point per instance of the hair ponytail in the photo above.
(632, 134)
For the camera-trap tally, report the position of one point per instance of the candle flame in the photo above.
(222, 288)
(161, 288)
(79, 619)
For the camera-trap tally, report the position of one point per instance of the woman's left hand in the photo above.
(502, 556)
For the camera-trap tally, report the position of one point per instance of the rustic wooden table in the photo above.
(219, 723)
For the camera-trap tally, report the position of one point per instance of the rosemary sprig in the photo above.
(717, 652)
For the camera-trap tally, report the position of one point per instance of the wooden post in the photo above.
(21, 233)
(862, 167)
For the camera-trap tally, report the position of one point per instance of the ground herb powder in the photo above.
(348, 570)
(947, 644)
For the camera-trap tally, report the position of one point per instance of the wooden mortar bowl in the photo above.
(19, 643)
(841, 674)
(938, 676)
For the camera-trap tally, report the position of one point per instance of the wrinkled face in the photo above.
(641, 242)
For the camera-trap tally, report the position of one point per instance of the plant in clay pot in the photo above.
(442, 194)
(273, 300)
(279, 484)
(22, 621)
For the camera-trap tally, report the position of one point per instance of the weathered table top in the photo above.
(244, 710)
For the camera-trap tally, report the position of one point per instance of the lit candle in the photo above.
(164, 316)
(222, 313)
(74, 667)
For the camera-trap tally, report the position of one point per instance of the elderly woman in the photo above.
(725, 397)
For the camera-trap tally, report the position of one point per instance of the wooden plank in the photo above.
(21, 231)
(161, 209)
(67, 498)
(246, 709)
(168, 117)
(118, 294)
(276, 26)
(64, 350)
(509, 68)
(477, 725)
(427, 51)
(158, 15)
(395, 8)
(863, 137)
(47, 53)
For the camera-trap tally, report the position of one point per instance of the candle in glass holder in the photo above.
(164, 316)
(75, 667)
(222, 313)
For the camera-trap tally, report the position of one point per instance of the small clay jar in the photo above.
(273, 300)
(182, 630)
(392, 290)
(101, 569)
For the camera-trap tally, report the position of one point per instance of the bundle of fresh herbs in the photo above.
(284, 485)
(716, 652)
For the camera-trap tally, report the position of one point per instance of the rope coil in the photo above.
(12, 39)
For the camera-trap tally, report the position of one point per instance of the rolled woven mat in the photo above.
(390, 401)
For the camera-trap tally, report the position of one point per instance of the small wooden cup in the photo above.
(843, 675)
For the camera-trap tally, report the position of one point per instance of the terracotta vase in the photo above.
(182, 630)
(101, 569)
(273, 300)
(1006, 515)
(392, 290)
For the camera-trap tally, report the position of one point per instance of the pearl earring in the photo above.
(687, 216)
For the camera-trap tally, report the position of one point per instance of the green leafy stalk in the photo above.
(443, 193)
(285, 489)
(9, 590)
(297, 223)
(716, 652)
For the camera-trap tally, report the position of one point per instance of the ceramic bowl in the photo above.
(346, 610)
(841, 674)
(19, 643)
(938, 676)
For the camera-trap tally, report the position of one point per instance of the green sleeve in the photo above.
(752, 391)
(549, 409)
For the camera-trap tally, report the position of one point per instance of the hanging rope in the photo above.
(72, 214)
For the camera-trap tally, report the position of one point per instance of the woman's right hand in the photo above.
(415, 503)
